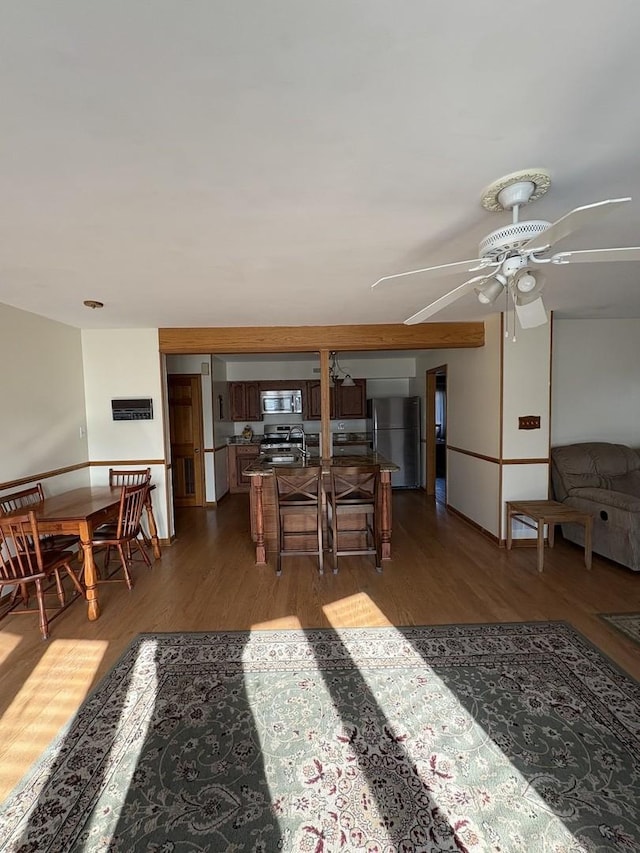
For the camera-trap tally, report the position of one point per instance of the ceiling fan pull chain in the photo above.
(506, 312)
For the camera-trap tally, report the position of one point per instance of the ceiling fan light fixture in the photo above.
(531, 314)
(489, 292)
(527, 287)
(526, 282)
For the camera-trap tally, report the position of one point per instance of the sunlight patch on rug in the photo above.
(124, 754)
(347, 776)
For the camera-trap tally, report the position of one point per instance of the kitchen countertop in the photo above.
(261, 466)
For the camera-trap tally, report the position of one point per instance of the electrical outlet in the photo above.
(529, 422)
(83, 432)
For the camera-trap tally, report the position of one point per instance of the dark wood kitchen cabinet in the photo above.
(312, 401)
(312, 405)
(349, 403)
(240, 457)
(244, 401)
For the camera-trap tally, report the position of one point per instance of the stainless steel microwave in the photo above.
(281, 402)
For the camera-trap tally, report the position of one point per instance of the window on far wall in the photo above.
(441, 413)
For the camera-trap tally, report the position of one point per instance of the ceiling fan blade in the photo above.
(531, 314)
(624, 253)
(571, 222)
(444, 269)
(447, 299)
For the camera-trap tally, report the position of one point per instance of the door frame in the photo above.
(430, 427)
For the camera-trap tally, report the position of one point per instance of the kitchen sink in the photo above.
(277, 458)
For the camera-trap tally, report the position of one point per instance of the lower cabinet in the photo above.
(240, 457)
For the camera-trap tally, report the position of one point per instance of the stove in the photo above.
(280, 439)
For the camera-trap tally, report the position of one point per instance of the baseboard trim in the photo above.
(474, 524)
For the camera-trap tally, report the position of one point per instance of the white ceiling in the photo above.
(210, 163)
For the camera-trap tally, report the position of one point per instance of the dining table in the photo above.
(81, 511)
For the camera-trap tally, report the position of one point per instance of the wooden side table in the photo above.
(549, 513)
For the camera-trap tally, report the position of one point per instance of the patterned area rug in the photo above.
(503, 738)
(628, 623)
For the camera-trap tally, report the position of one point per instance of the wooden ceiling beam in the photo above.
(261, 339)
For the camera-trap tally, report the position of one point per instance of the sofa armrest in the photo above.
(607, 497)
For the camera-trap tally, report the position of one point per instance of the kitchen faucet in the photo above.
(299, 430)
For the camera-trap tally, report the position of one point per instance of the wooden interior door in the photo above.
(185, 426)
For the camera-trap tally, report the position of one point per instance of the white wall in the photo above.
(400, 387)
(526, 378)
(596, 381)
(478, 424)
(473, 424)
(43, 402)
(126, 363)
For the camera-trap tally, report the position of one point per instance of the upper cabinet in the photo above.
(244, 401)
(312, 401)
(349, 403)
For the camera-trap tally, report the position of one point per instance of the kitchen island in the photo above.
(263, 498)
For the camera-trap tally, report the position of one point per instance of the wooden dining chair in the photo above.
(134, 477)
(24, 563)
(123, 535)
(298, 512)
(31, 497)
(352, 512)
(130, 477)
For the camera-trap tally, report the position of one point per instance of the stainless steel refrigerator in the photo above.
(394, 423)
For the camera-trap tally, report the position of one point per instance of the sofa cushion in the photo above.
(627, 483)
(607, 499)
(590, 464)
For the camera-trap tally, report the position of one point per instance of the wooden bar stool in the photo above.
(352, 504)
(298, 499)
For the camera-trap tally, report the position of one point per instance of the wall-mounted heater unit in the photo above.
(126, 409)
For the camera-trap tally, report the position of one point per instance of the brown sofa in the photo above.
(603, 479)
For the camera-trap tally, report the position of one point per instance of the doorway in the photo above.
(185, 431)
(436, 433)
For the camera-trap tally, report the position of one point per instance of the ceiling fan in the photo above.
(510, 257)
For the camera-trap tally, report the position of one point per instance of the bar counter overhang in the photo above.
(263, 498)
